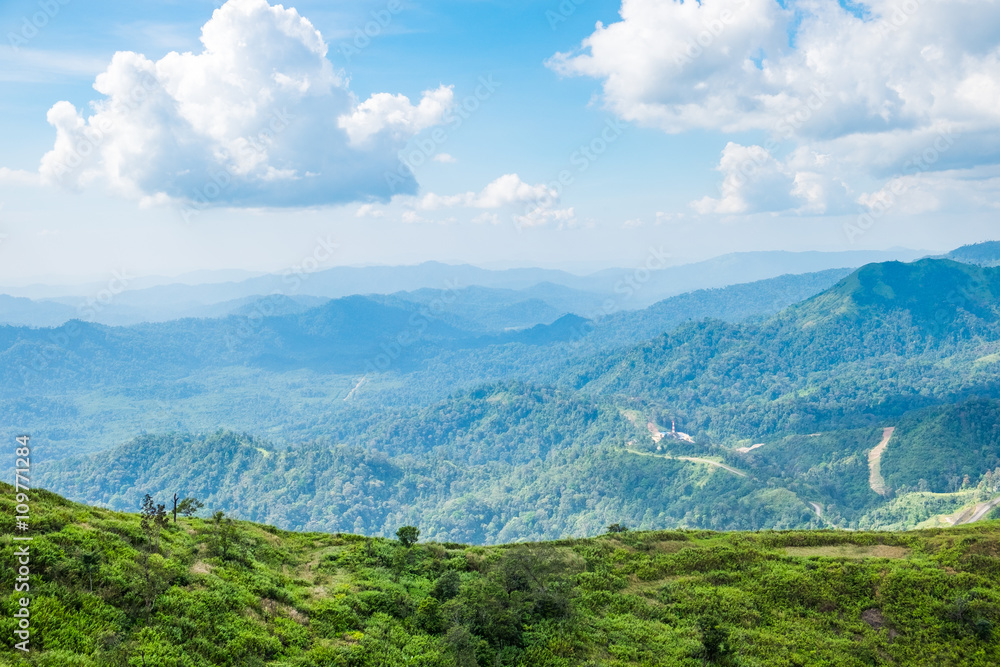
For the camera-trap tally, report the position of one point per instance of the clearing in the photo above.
(690, 459)
(849, 551)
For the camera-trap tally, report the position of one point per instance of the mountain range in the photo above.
(365, 412)
(136, 300)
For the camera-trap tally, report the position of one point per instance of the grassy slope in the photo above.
(278, 598)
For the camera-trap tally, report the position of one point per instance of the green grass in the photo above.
(261, 596)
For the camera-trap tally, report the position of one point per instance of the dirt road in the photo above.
(978, 512)
(691, 459)
(875, 479)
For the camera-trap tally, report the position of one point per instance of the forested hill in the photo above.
(109, 590)
(888, 338)
(515, 462)
(939, 297)
(983, 254)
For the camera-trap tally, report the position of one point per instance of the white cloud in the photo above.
(394, 114)
(866, 93)
(258, 118)
(369, 211)
(527, 205)
(445, 158)
(19, 177)
(507, 190)
(755, 181)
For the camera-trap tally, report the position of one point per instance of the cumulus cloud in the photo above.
(525, 204)
(258, 118)
(754, 181)
(396, 115)
(869, 86)
(506, 190)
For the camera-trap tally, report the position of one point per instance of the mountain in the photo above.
(888, 338)
(492, 309)
(18, 311)
(288, 376)
(511, 462)
(730, 304)
(110, 589)
(155, 299)
(983, 254)
(641, 289)
(934, 295)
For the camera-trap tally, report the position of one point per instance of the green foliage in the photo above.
(408, 535)
(636, 598)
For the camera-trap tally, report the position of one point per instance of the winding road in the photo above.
(978, 512)
(690, 459)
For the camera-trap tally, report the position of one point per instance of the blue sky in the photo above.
(721, 126)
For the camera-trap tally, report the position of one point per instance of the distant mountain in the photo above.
(731, 269)
(662, 282)
(19, 311)
(291, 373)
(734, 303)
(935, 295)
(497, 309)
(156, 299)
(888, 338)
(983, 254)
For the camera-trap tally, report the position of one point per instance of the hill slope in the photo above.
(106, 592)
(887, 339)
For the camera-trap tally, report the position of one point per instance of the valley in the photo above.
(307, 421)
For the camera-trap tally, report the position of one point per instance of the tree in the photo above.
(408, 535)
(90, 560)
(187, 507)
(617, 528)
(713, 637)
(225, 534)
(153, 520)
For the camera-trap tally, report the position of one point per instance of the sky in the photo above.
(166, 137)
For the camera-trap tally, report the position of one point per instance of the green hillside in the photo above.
(888, 339)
(106, 591)
(520, 462)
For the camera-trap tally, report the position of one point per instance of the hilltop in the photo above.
(220, 592)
(986, 253)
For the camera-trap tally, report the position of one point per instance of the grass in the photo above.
(263, 596)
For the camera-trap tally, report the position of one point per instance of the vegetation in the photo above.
(222, 592)
(520, 462)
